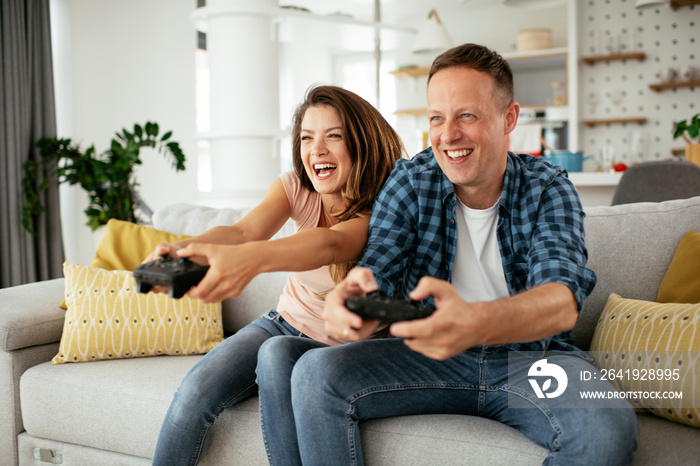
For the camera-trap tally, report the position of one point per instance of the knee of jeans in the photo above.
(270, 356)
(606, 436)
(315, 376)
(192, 398)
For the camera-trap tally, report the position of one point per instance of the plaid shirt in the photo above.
(540, 231)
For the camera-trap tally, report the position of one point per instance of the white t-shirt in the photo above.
(477, 274)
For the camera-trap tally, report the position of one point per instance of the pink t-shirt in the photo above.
(300, 303)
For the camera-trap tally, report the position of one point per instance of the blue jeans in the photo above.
(333, 388)
(223, 377)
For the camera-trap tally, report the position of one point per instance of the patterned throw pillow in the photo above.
(652, 348)
(108, 319)
(125, 245)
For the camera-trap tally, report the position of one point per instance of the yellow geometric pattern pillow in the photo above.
(108, 319)
(125, 245)
(633, 338)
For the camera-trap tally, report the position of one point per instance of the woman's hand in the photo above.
(231, 268)
(341, 322)
(160, 250)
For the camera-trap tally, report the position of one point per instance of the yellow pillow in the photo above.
(650, 347)
(681, 284)
(125, 245)
(108, 319)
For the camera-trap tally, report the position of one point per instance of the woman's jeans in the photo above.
(333, 388)
(222, 378)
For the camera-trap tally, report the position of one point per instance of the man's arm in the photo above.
(458, 325)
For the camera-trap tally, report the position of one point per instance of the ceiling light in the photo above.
(432, 36)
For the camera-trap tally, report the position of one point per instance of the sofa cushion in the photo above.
(114, 405)
(630, 248)
(108, 319)
(681, 284)
(118, 406)
(193, 220)
(652, 347)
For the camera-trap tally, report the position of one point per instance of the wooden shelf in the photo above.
(593, 59)
(412, 112)
(676, 4)
(424, 111)
(658, 87)
(414, 72)
(612, 121)
(678, 151)
(545, 58)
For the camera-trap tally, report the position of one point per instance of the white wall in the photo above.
(125, 61)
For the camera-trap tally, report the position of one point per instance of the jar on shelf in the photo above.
(558, 93)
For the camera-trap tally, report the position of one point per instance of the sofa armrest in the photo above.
(30, 314)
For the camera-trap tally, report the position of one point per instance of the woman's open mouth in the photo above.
(324, 170)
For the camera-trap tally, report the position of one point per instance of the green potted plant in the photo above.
(689, 130)
(108, 178)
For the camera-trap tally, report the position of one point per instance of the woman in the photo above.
(343, 151)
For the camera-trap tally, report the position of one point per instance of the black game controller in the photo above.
(178, 275)
(375, 306)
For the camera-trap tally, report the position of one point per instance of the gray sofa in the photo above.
(109, 412)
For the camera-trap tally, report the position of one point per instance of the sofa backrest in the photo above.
(630, 247)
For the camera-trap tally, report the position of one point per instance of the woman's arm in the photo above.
(261, 223)
(234, 266)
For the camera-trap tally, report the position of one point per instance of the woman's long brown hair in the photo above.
(373, 145)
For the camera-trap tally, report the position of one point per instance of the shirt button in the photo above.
(452, 221)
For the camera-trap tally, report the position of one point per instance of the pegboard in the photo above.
(620, 89)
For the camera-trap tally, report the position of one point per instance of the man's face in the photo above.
(469, 133)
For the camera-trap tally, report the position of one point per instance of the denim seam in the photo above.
(199, 450)
(411, 386)
(352, 431)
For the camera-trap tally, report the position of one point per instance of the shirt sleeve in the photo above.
(392, 233)
(558, 251)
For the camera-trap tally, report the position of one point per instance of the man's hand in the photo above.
(458, 325)
(449, 331)
(341, 322)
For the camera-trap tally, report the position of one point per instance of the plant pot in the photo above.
(692, 153)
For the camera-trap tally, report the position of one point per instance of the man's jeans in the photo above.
(333, 388)
(223, 377)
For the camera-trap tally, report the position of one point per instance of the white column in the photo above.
(244, 84)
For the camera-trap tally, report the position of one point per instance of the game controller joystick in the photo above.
(178, 275)
(375, 306)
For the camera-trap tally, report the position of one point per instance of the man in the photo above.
(494, 241)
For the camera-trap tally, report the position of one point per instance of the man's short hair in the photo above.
(479, 58)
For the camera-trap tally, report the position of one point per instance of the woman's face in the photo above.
(324, 150)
